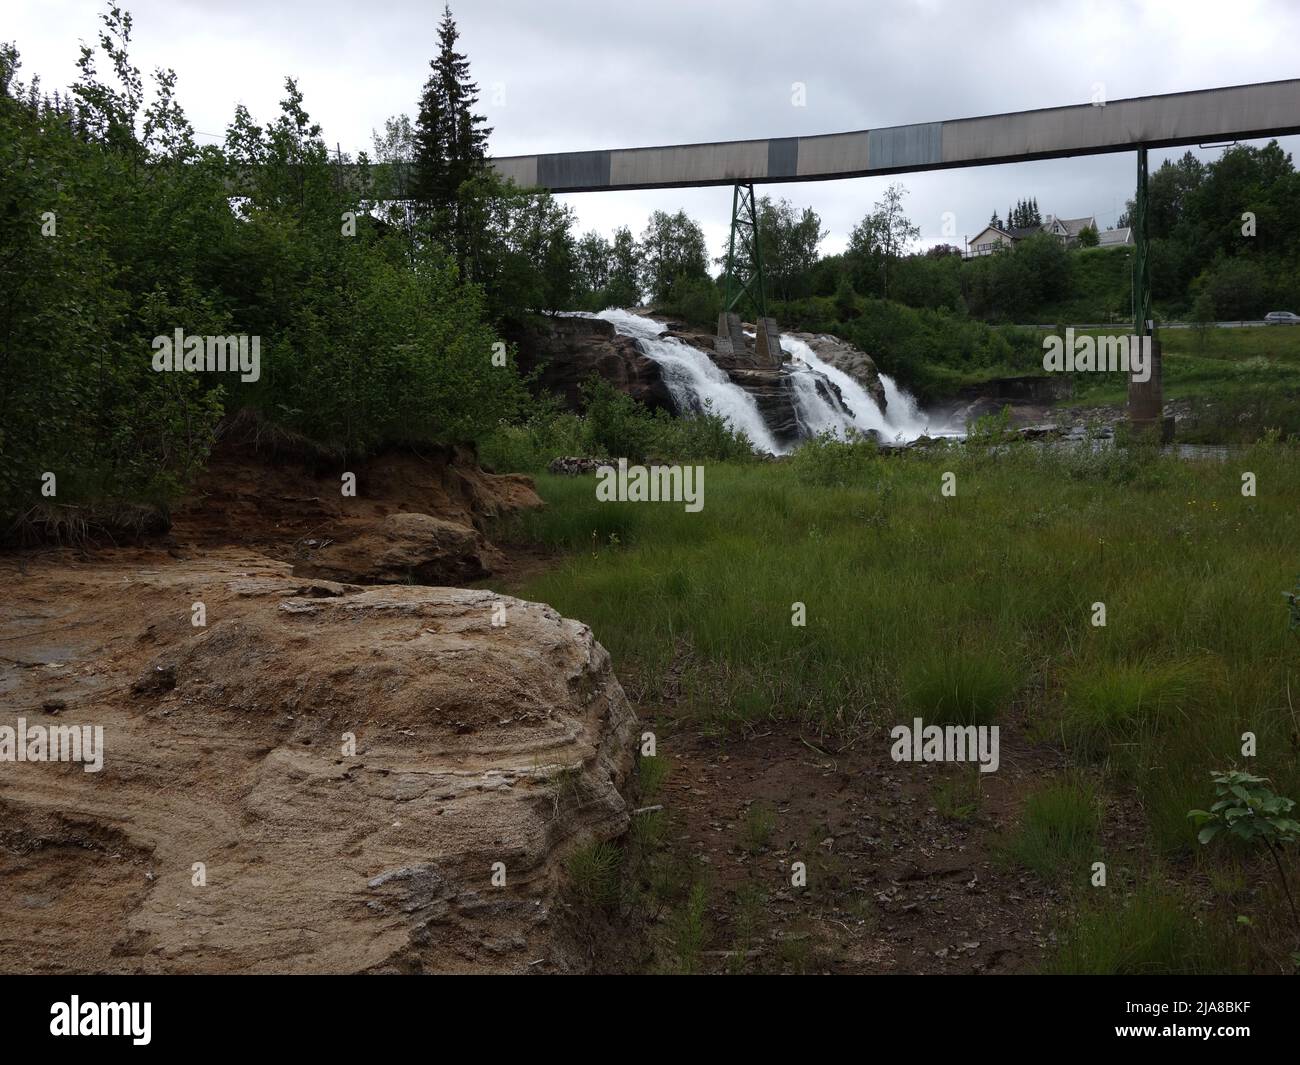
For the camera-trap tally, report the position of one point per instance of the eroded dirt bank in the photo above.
(232, 828)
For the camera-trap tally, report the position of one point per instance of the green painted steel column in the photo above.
(1146, 403)
(731, 249)
(744, 221)
(1141, 277)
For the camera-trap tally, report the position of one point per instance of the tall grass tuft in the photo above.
(1057, 836)
(956, 686)
(1151, 932)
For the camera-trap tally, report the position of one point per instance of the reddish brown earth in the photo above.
(893, 886)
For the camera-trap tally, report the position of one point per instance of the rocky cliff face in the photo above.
(567, 350)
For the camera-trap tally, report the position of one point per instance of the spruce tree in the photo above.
(450, 138)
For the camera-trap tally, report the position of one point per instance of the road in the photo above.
(1159, 325)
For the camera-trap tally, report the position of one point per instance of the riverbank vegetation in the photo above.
(376, 321)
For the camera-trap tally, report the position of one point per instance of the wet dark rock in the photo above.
(565, 351)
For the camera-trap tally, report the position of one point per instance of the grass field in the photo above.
(979, 606)
(1239, 382)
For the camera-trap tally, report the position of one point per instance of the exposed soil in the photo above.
(893, 885)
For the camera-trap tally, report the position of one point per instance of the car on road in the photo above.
(1282, 318)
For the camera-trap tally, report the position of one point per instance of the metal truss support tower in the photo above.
(1142, 325)
(745, 278)
(744, 224)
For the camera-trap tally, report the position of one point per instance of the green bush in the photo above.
(695, 300)
(617, 426)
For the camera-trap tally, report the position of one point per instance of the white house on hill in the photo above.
(1066, 230)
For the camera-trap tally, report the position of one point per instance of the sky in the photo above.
(564, 75)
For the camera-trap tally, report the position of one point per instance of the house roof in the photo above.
(1106, 237)
(989, 229)
(1072, 226)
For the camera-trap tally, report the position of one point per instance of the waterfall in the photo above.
(692, 378)
(901, 420)
(817, 407)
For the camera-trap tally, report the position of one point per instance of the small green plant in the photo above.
(688, 930)
(1250, 811)
(1058, 832)
(651, 772)
(567, 790)
(958, 798)
(1293, 605)
(751, 905)
(595, 872)
(756, 829)
(990, 429)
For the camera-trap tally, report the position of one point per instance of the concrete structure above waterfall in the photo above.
(731, 336)
(1267, 109)
(767, 343)
(731, 341)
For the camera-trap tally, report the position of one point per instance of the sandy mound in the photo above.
(487, 730)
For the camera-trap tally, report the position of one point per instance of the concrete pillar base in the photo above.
(768, 343)
(731, 336)
(1146, 402)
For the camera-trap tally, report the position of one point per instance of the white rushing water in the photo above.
(901, 420)
(694, 379)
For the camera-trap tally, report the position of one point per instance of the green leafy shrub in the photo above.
(1250, 812)
(833, 461)
(695, 300)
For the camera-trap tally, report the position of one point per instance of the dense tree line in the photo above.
(1224, 233)
(119, 229)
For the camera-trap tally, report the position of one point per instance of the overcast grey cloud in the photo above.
(574, 74)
